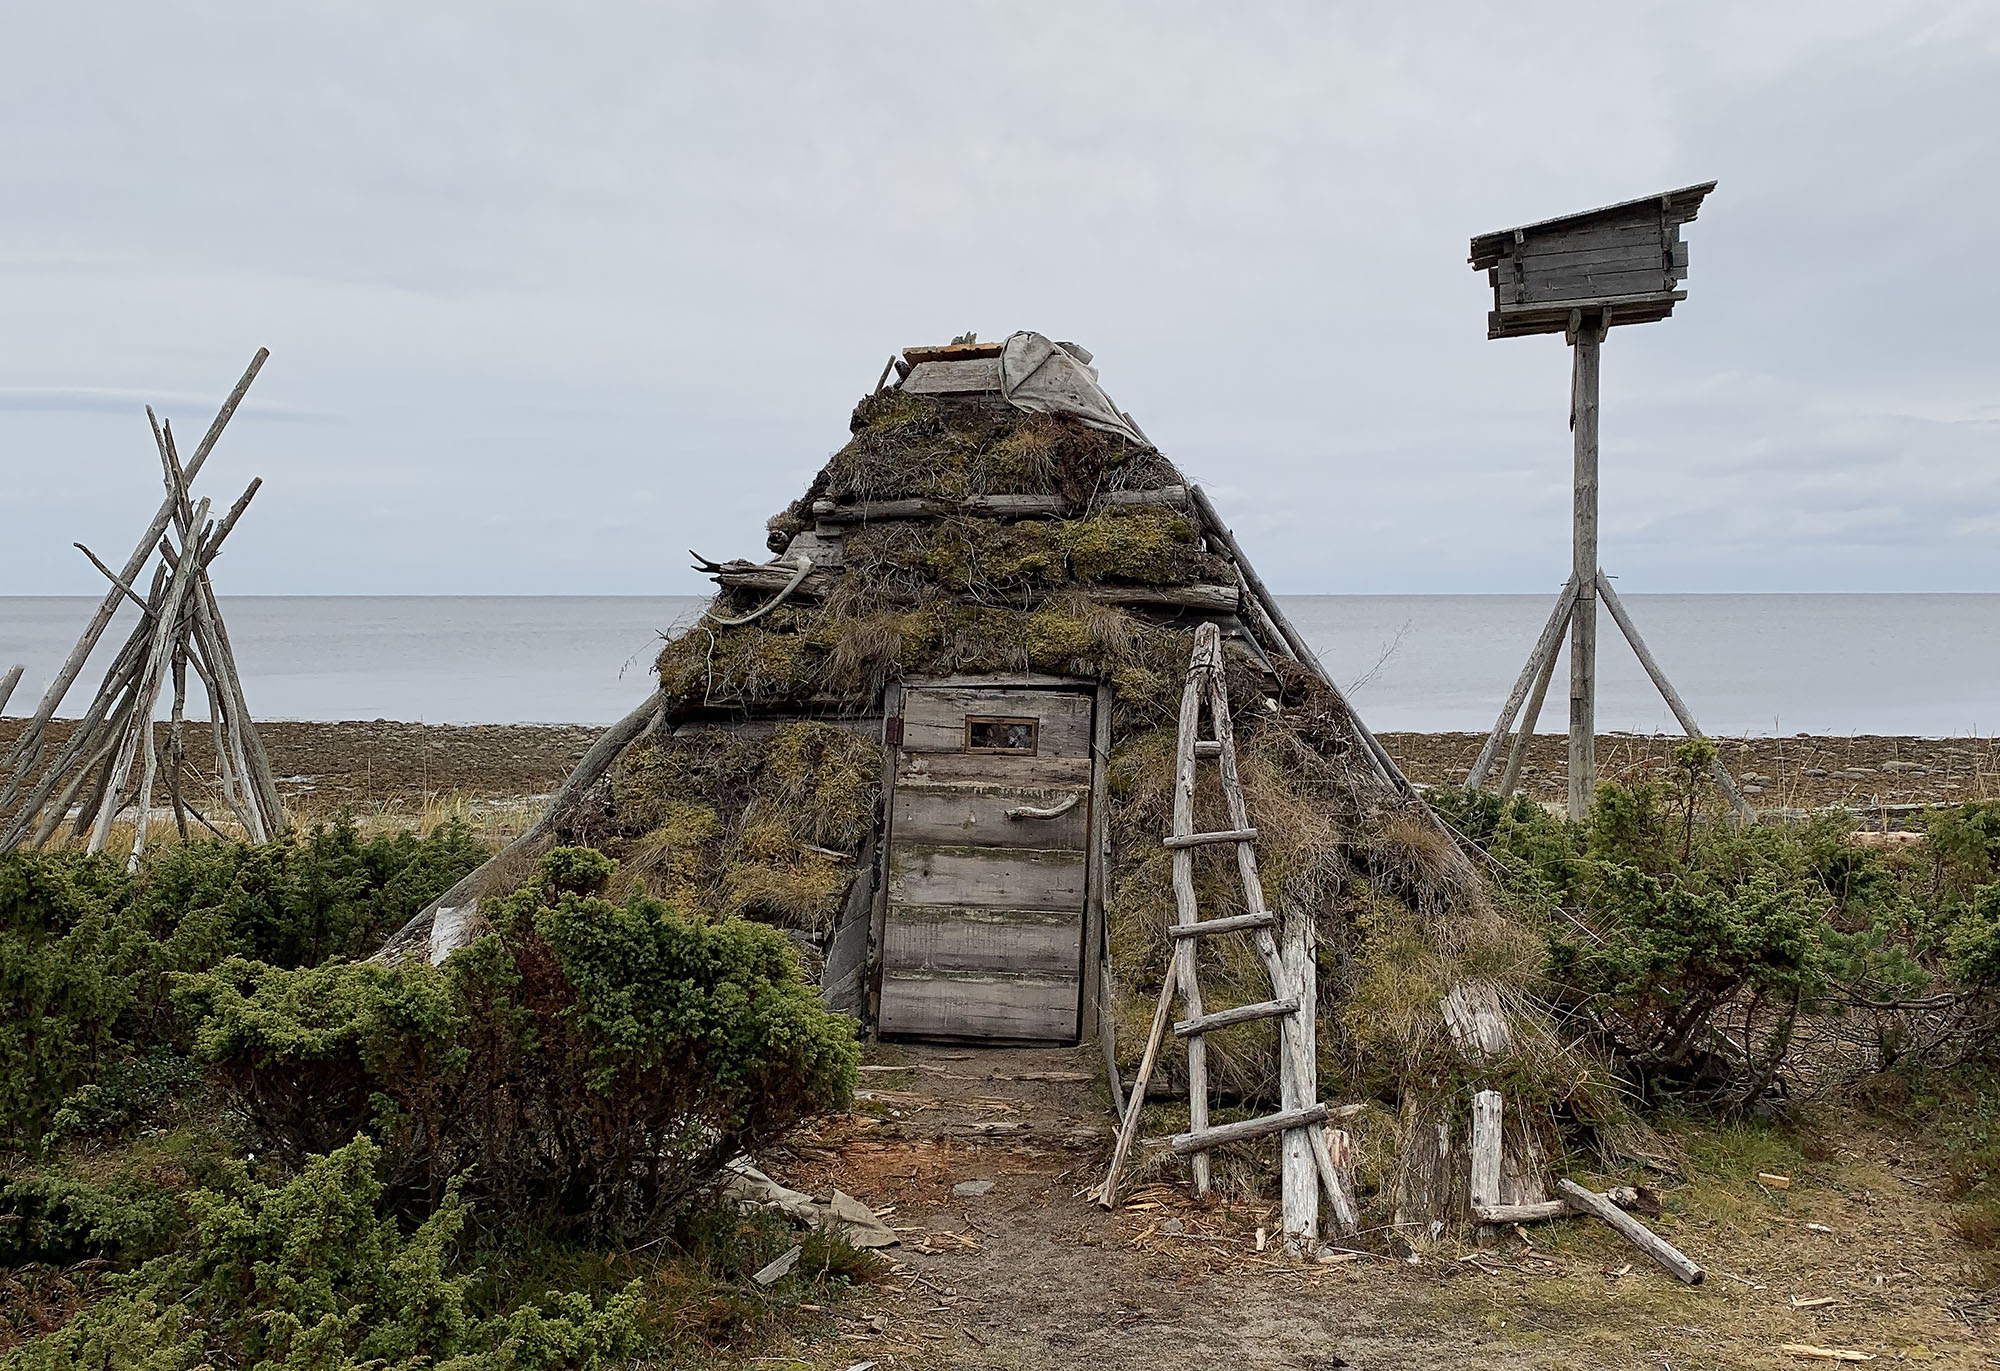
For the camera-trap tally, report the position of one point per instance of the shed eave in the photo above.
(1683, 204)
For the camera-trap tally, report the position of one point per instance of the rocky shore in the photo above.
(371, 766)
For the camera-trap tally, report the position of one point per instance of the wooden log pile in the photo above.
(114, 759)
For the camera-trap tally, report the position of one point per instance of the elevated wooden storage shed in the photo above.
(1626, 260)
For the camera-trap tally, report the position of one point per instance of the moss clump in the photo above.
(736, 826)
(1142, 546)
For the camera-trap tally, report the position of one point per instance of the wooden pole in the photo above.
(7, 684)
(1546, 647)
(1206, 660)
(1666, 689)
(1586, 339)
(27, 748)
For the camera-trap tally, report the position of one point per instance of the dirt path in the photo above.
(1029, 1274)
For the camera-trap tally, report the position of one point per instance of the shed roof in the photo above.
(1680, 206)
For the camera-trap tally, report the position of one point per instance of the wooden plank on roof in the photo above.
(986, 878)
(954, 938)
(972, 812)
(954, 378)
(971, 1005)
(951, 352)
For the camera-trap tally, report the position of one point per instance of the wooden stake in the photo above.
(1666, 689)
(7, 684)
(1485, 1156)
(1546, 647)
(1586, 340)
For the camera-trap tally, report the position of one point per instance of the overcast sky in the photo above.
(555, 293)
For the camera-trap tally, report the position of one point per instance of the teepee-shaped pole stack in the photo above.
(113, 759)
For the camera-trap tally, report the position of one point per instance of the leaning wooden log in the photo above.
(1213, 526)
(27, 748)
(1128, 1131)
(1645, 1239)
(149, 686)
(1531, 718)
(7, 684)
(1666, 689)
(513, 862)
(1546, 648)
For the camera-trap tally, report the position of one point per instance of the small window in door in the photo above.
(1008, 737)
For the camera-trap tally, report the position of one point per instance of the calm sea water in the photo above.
(1746, 664)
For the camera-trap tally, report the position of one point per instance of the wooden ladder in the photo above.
(1301, 1109)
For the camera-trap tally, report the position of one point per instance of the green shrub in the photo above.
(587, 1064)
(85, 949)
(312, 1275)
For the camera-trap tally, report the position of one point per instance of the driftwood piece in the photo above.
(511, 861)
(1645, 1239)
(1196, 1141)
(7, 684)
(1666, 689)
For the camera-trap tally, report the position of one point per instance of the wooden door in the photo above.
(988, 864)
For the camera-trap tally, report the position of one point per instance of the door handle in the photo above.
(1052, 812)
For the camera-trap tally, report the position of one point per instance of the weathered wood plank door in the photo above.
(988, 864)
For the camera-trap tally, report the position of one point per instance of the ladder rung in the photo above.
(1208, 1023)
(1207, 747)
(1185, 1143)
(1235, 923)
(1227, 835)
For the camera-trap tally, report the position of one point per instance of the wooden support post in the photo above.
(1531, 717)
(1545, 650)
(1486, 1119)
(1299, 1187)
(1586, 338)
(1128, 1131)
(1666, 689)
(7, 684)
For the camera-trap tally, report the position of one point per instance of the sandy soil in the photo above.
(1031, 1274)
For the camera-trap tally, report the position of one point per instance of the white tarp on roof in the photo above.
(1038, 374)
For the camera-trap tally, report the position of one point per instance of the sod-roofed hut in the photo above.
(933, 735)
